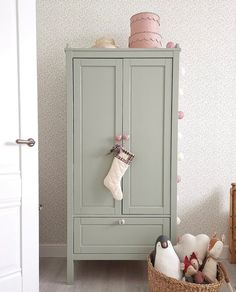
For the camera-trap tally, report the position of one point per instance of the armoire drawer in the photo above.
(118, 235)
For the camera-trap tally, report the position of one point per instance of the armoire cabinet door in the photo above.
(147, 89)
(97, 119)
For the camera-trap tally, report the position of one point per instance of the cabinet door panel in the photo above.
(147, 118)
(97, 119)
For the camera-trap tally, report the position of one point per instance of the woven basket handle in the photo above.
(224, 272)
(227, 280)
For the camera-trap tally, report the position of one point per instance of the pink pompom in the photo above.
(118, 138)
(170, 45)
(125, 137)
(178, 178)
(180, 115)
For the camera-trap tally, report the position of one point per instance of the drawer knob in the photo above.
(121, 221)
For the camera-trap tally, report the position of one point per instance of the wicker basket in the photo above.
(158, 282)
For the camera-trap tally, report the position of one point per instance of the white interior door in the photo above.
(18, 163)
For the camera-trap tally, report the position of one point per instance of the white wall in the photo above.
(206, 32)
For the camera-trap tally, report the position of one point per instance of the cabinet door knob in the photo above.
(121, 221)
(118, 138)
(125, 137)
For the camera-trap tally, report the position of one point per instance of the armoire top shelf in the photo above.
(123, 52)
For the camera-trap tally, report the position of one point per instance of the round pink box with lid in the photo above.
(145, 22)
(145, 40)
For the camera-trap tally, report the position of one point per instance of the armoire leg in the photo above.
(70, 271)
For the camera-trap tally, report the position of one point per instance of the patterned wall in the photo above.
(205, 30)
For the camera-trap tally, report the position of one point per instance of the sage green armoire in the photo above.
(116, 92)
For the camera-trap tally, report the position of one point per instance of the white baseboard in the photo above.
(59, 251)
(52, 250)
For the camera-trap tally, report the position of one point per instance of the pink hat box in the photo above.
(145, 40)
(145, 22)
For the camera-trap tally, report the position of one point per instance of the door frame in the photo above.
(28, 104)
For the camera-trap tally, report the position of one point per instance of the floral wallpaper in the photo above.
(205, 31)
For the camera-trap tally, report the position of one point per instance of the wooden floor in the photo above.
(101, 276)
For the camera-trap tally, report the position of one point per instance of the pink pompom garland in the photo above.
(180, 115)
(170, 45)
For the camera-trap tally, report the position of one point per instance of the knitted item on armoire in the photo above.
(118, 168)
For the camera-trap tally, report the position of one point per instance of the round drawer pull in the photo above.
(121, 221)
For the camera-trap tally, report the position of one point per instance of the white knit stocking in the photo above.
(118, 168)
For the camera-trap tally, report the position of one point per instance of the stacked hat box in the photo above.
(145, 31)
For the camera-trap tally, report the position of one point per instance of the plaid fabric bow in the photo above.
(117, 148)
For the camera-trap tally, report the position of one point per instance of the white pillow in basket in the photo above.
(189, 243)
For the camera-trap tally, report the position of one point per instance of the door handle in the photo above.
(30, 142)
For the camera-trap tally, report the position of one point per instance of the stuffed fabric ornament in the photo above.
(189, 270)
(166, 260)
(195, 262)
(189, 243)
(118, 168)
(210, 268)
(214, 251)
(199, 277)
